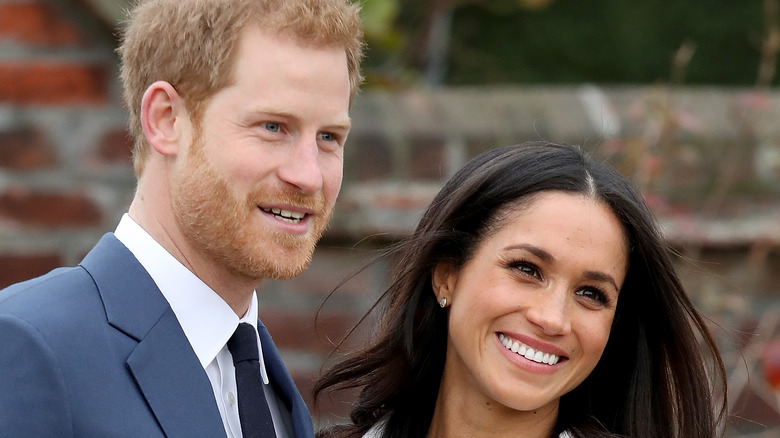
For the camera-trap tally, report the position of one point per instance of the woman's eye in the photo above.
(528, 269)
(271, 126)
(593, 294)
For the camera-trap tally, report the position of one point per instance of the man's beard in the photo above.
(220, 225)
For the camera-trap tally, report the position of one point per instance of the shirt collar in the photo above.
(207, 320)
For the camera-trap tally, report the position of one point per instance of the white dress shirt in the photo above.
(208, 322)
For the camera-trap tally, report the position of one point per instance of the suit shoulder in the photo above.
(57, 291)
(31, 379)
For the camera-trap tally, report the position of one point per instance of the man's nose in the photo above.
(301, 168)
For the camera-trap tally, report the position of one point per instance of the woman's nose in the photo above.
(550, 313)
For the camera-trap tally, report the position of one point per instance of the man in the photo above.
(239, 109)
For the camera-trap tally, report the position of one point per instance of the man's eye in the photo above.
(271, 126)
(327, 136)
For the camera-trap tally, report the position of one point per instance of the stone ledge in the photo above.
(389, 210)
(561, 112)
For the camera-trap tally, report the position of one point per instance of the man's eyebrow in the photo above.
(341, 123)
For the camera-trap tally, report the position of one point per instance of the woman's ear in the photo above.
(443, 280)
(161, 110)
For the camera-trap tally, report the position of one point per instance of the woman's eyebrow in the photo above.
(601, 277)
(535, 250)
(546, 257)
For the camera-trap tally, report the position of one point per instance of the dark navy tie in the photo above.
(252, 407)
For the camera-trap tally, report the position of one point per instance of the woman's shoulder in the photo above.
(377, 429)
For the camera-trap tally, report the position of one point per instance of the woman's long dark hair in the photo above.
(658, 374)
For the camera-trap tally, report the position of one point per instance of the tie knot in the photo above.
(243, 344)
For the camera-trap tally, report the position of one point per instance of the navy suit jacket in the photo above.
(96, 351)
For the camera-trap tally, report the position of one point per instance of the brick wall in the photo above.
(63, 148)
(708, 160)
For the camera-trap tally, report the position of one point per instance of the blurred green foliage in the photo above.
(563, 41)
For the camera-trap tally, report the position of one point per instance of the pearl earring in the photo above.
(443, 302)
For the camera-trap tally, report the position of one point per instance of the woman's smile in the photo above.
(527, 352)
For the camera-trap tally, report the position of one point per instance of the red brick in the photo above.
(297, 331)
(304, 381)
(329, 406)
(427, 158)
(18, 267)
(48, 209)
(332, 265)
(371, 157)
(38, 24)
(26, 149)
(53, 83)
(752, 408)
(116, 147)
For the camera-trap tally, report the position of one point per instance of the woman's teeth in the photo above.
(527, 352)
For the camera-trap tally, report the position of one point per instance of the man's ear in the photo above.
(443, 280)
(162, 112)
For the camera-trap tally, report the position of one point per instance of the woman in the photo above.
(535, 298)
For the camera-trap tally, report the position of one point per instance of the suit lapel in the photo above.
(278, 374)
(163, 363)
(174, 383)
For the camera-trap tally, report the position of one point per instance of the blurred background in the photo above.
(680, 96)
